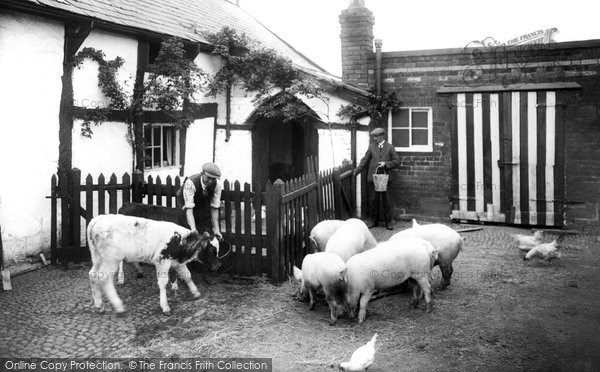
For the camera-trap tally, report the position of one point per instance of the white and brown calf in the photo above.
(114, 238)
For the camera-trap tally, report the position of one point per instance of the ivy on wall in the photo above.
(107, 81)
(260, 70)
(377, 105)
(173, 79)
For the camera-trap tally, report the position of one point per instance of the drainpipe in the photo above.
(227, 113)
(378, 44)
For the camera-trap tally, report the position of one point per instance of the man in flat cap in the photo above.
(380, 154)
(202, 199)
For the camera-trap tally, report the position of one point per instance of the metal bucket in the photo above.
(380, 180)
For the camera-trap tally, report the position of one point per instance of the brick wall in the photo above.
(422, 185)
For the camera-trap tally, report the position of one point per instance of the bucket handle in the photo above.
(380, 167)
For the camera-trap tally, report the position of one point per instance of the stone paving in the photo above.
(49, 312)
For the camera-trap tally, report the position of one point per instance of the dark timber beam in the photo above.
(198, 111)
(143, 59)
(75, 34)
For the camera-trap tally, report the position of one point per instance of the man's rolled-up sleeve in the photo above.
(189, 190)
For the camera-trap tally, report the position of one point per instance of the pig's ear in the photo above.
(297, 274)
(343, 274)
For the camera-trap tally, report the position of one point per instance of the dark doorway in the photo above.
(280, 149)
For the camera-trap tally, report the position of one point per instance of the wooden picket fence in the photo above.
(267, 229)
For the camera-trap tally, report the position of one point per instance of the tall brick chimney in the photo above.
(357, 43)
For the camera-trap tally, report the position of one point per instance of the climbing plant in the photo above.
(377, 105)
(173, 79)
(274, 79)
(107, 80)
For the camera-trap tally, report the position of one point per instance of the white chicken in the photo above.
(546, 251)
(526, 242)
(362, 358)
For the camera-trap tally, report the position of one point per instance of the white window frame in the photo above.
(176, 161)
(411, 147)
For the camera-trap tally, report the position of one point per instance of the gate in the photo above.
(507, 158)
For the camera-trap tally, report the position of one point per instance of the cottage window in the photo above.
(411, 129)
(161, 147)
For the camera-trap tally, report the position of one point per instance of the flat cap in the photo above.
(211, 170)
(377, 132)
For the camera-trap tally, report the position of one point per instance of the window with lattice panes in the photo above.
(161, 146)
(411, 129)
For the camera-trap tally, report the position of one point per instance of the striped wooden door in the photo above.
(507, 158)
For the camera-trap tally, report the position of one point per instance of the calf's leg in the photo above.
(162, 275)
(96, 290)
(107, 271)
(120, 275)
(184, 273)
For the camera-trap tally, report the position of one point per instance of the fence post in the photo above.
(273, 203)
(76, 213)
(53, 219)
(337, 193)
(65, 226)
(137, 184)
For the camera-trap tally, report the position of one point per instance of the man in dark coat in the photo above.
(380, 154)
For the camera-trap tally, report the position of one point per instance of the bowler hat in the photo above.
(377, 132)
(211, 170)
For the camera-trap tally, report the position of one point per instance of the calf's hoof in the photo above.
(429, 308)
(167, 313)
(100, 310)
(120, 283)
(196, 296)
(121, 314)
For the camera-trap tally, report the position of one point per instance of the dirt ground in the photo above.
(498, 313)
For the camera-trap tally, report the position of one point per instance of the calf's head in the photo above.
(210, 254)
(192, 246)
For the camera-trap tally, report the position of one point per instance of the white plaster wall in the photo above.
(242, 105)
(235, 156)
(327, 109)
(362, 144)
(31, 54)
(86, 92)
(334, 147)
(199, 145)
(106, 152)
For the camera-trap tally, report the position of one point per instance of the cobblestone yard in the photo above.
(498, 311)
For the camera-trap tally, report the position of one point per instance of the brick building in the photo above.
(488, 133)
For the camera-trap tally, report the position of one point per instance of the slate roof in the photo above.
(186, 19)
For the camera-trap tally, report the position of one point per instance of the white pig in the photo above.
(320, 234)
(352, 237)
(444, 238)
(387, 265)
(324, 271)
